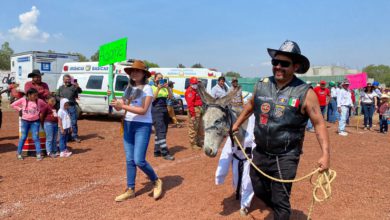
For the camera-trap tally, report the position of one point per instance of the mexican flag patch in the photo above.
(294, 102)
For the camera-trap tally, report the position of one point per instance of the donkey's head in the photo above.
(217, 119)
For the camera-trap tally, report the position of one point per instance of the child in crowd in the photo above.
(49, 120)
(29, 108)
(384, 112)
(64, 125)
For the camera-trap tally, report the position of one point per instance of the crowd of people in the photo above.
(54, 112)
(278, 102)
(338, 103)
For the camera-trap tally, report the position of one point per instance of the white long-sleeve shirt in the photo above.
(344, 98)
(333, 92)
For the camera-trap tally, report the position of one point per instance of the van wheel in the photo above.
(79, 112)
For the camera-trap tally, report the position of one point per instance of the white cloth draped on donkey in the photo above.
(227, 158)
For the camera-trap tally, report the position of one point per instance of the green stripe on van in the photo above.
(88, 92)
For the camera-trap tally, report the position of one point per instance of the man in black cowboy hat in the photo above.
(282, 105)
(36, 83)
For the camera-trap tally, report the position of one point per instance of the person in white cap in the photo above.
(344, 102)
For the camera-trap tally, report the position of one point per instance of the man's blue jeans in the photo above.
(73, 118)
(51, 130)
(343, 118)
(368, 110)
(332, 109)
(136, 137)
(25, 128)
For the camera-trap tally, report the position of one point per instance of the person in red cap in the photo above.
(323, 95)
(194, 105)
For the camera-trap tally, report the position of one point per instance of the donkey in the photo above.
(218, 119)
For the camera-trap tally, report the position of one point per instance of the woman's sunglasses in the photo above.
(283, 63)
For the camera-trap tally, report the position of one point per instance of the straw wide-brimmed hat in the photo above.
(34, 73)
(385, 96)
(138, 65)
(291, 49)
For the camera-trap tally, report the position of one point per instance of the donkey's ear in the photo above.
(205, 96)
(226, 100)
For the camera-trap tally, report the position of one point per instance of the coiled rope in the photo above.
(321, 184)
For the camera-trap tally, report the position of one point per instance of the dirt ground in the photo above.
(84, 186)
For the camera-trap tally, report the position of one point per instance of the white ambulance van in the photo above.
(50, 64)
(93, 80)
(181, 78)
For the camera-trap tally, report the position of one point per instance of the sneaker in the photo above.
(157, 190)
(168, 157)
(39, 157)
(311, 130)
(244, 211)
(78, 140)
(52, 155)
(129, 193)
(157, 154)
(65, 153)
(57, 154)
(343, 133)
(370, 129)
(20, 157)
(365, 128)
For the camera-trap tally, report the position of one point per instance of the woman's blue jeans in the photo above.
(368, 110)
(25, 128)
(136, 137)
(51, 130)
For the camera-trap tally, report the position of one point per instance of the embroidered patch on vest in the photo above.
(264, 119)
(279, 111)
(294, 102)
(282, 99)
(265, 107)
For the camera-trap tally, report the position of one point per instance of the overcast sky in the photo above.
(222, 34)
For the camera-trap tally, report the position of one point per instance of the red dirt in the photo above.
(84, 186)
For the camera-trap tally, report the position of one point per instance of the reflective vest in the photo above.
(280, 125)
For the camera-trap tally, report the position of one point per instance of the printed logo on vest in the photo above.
(279, 111)
(264, 98)
(265, 107)
(282, 99)
(264, 119)
(294, 102)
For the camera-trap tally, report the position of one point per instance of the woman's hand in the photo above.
(117, 104)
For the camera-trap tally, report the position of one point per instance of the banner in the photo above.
(357, 81)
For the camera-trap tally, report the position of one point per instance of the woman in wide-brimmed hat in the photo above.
(368, 101)
(137, 127)
(36, 83)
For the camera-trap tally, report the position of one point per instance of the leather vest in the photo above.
(280, 125)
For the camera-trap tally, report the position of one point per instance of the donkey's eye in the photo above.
(219, 121)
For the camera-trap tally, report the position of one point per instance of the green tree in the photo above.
(51, 51)
(95, 56)
(380, 73)
(197, 65)
(232, 74)
(5, 56)
(82, 58)
(181, 66)
(150, 64)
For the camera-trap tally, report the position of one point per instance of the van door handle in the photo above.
(105, 98)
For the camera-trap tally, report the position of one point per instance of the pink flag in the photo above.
(357, 81)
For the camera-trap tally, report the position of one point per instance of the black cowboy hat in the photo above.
(291, 49)
(34, 73)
